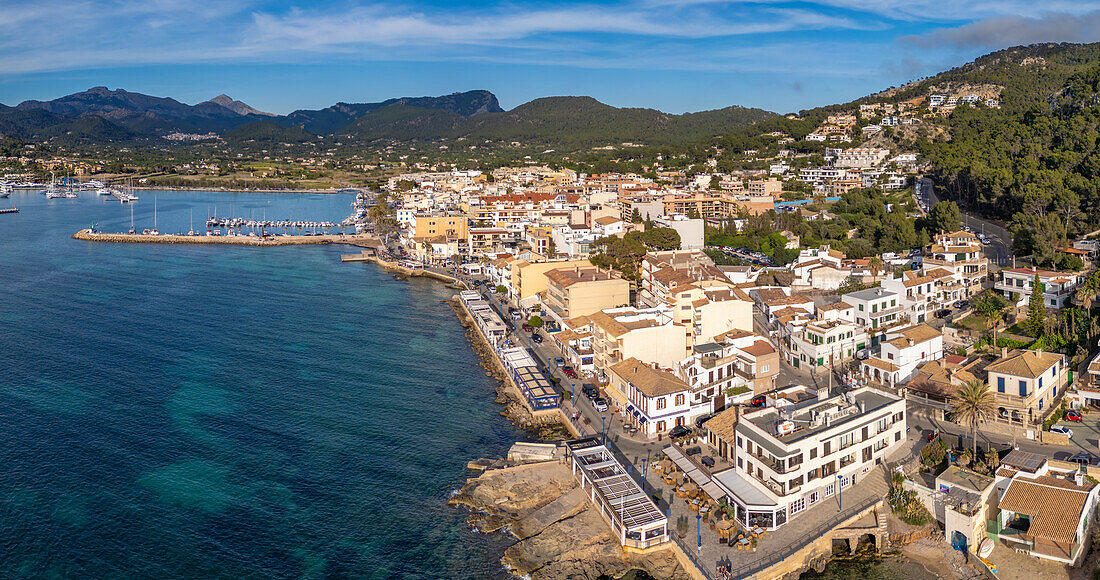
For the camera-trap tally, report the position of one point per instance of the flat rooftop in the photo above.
(840, 413)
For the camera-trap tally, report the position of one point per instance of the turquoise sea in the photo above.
(229, 412)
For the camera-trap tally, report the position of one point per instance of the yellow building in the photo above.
(452, 226)
(529, 278)
(577, 291)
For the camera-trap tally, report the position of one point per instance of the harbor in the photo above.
(362, 240)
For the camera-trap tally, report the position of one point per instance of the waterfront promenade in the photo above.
(350, 239)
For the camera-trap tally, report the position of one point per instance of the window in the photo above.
(740, 464)
(660, 426)
(1040, 404)
(830, 490)
(1023, 388)
(861, 308)
(813, 453)
(1000, 384)
(798, 505)
(661, 404)
(897, 436)
(740, 442)
(765, 368)
(1040, 383)
(814, 497)
(679, 399)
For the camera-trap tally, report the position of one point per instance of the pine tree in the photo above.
(636, 216)
(1036, 312)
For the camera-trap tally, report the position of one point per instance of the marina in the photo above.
(239, 240)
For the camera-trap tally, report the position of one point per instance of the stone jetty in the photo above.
(88, 235)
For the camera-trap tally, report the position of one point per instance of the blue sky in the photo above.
(674, 55)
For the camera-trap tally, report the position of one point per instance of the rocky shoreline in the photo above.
(558, 533)
(542, 428)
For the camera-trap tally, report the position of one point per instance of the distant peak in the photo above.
(237, 106)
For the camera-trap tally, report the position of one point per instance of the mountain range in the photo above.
(101, 115)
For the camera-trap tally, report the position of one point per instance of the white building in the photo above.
(902, 353)
(1058, 287)
(804, 450)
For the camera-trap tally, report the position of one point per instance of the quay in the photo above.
(350, 239)
(10, 210)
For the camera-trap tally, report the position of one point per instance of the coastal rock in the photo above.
(560, 534)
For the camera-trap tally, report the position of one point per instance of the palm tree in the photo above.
(876, 265)
(974, 403)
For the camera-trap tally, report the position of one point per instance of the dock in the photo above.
(351, 239)
(10, 210)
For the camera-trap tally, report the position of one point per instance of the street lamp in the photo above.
(840, 490)
(603, 421)
(699, 531)
(643, 474)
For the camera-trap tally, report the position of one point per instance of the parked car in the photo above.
(1062, 429)
(943, 313)
(527, 327)
(759, 401)
(599, 404)
(679, 431)
(703, 419)
(559, 361)
(536, 337)
(590, 391)
(1085, 459)
(962, 304)
(569, 372)
(1072, 415)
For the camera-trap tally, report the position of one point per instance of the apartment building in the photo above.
(876, 309)
(825, 343)
(1058, 287)
(805, 449)
(577, 291)
(529, 278)
(487, 240)
(917, 293)
(453, 227)
(732, 369)
(648, 335)
(961, 254)
(861, 157)
(574, 341)
(1027, 383)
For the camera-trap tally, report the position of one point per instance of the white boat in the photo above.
(54, 192)
(71, 194)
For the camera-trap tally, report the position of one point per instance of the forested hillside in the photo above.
(1033, 162)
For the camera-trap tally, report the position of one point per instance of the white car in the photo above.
(1062, 429)
(600, 405)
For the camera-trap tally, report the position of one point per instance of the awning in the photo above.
(632, 409)
(641, 418)
(636, 413)
(711, 489)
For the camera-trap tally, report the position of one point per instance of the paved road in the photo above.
(999, 250)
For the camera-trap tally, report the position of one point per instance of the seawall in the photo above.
(90, 236)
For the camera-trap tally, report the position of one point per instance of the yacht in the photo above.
(5, 190)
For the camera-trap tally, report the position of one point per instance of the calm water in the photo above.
(193, 411)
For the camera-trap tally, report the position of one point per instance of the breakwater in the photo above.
(10, 210)
(355, 240)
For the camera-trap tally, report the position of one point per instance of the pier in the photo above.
(350, 239)
(10, 210)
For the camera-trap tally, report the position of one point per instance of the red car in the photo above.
(758, 401)
(1073, 416)
(569, 372)
(527, 327)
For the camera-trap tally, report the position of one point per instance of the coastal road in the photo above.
(998, 250)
